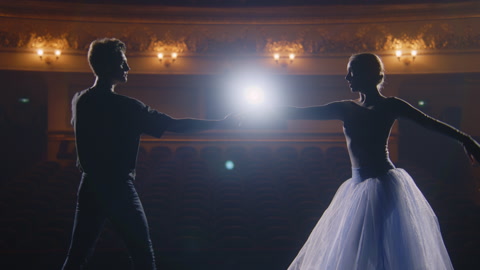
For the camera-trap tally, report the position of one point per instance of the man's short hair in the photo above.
(103, 53)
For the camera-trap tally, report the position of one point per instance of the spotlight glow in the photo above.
(229, 165)
(254, 95)
(250, 88)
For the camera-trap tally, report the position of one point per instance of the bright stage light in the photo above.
(254, 95)
(250, 88)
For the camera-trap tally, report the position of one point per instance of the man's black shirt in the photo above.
(108, 127)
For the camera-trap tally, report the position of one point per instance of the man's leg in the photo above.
(87, 226)
(129, 220)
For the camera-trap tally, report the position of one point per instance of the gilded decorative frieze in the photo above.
(48, 41)
(249, 38)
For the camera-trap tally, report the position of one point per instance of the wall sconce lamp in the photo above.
(404, 58)
(48, 57)
(277, 57)
(167, 60)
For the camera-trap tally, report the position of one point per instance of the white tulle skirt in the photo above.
(376, 223)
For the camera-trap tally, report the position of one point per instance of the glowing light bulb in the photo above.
(276, 56)
(414, 53)
(174, 55)
(291, 56)
(40, 52)
(398, 53)
(160, 56)
(58, 53)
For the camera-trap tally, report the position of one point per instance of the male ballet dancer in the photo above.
(107, 128)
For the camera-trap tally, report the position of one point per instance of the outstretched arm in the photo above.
(192, 125)
(405, 110)
(155, 123)
(188, 125)
(330, 111)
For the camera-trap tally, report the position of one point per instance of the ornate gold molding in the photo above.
(48, 41)
(209, 31)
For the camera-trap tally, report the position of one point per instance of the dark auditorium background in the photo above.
(240, 198)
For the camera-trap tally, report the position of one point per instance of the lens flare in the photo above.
(229, 165)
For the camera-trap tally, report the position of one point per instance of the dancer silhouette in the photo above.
(378, 219)
(107, 128)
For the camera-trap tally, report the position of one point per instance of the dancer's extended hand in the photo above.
(247, 117)
(232, 120)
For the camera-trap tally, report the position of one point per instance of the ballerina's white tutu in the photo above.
(376, 223)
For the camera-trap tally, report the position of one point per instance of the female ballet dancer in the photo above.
(378, 219)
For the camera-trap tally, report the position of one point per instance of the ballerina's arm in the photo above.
(405, 110)
(330, 111)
